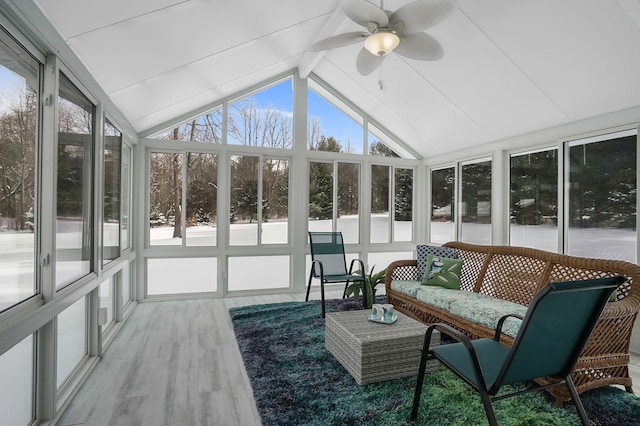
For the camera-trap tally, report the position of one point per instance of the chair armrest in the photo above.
(501, 321)
(313, 269)
(462, 338)
(353, 261)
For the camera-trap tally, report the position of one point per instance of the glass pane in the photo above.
(534, 200)
(206, 128)
(125, 279)
(378, 148)
(182, 275)
(165, 199)
(19, 74)
(476, 203)
(320, 197)
(330, 129)
(273, 272)
(75, 184)
(380, 219)
(275, 201)
(125, 198)
(112, 193)
(348, 202)
(16, 383)
(71, 336)
(263, 118)
(243, 215)
(443, 185)
(202, 199)
(106, 294)
(380, 261)
(403, 213)
(602, 199)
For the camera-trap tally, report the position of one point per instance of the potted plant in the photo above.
(371, 280)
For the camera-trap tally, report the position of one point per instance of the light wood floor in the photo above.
(177, 364)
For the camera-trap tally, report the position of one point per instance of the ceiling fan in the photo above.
(399, 31)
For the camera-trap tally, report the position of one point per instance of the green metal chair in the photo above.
(329, 263)
(552, 334)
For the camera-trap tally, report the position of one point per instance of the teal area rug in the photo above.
(296, 381)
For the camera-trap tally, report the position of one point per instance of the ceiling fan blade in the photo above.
(420, 15)
(420, 46)
(367, 62)
(363, 12)
(340, 40)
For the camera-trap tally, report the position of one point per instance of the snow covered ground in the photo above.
(170, 276)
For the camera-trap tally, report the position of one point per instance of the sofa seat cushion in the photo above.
(406, 287)
(474, 307)
(442, 298)
(487, 311)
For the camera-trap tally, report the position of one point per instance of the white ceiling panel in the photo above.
(579, 53)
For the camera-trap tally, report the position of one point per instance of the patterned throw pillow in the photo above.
(443, 272)
(422, 250)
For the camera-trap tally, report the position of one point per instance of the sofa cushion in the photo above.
(406, 287)
(441, 297)
(422, 250)
(486, 311)
(443, 272)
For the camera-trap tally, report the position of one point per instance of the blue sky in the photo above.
(332, 121)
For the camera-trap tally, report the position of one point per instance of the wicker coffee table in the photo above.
(373, 352)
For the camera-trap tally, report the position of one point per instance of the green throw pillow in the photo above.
(443, 272)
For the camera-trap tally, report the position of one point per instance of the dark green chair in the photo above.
(328, 263)
(552, 334)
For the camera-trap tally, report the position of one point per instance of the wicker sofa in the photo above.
(515, 274)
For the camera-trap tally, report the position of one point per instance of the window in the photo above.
(202, 198)
(534, 200)
(125, 280)
(401, 192)
(17, 392)
(344, 205)
(264, 118)
(380, 145)
(206, 129)
(443, 211)
(106, 293)
(71, 339)
(403, 208)
(74, 236)
(243, 214)
(320, 196)
(125, 198)
(380, 207)
(20, 76)
(275, 204)
(165, 199)
(273, 272)
(476, 202)
(602, 177)
(348, 202)
(256, 178)
(182, 275)
(111, 196)
(330, 128)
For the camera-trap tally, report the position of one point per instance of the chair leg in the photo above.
(322, 296)
(421, 371)
(344, 293)
(306, 299)
(577, 401)
(488, 407)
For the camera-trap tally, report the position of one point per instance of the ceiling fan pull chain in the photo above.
(380, 75)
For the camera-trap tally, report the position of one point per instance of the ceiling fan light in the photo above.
(381, 43)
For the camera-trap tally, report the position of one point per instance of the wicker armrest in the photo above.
(400, 270)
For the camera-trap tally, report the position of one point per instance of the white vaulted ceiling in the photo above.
(510, 67)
